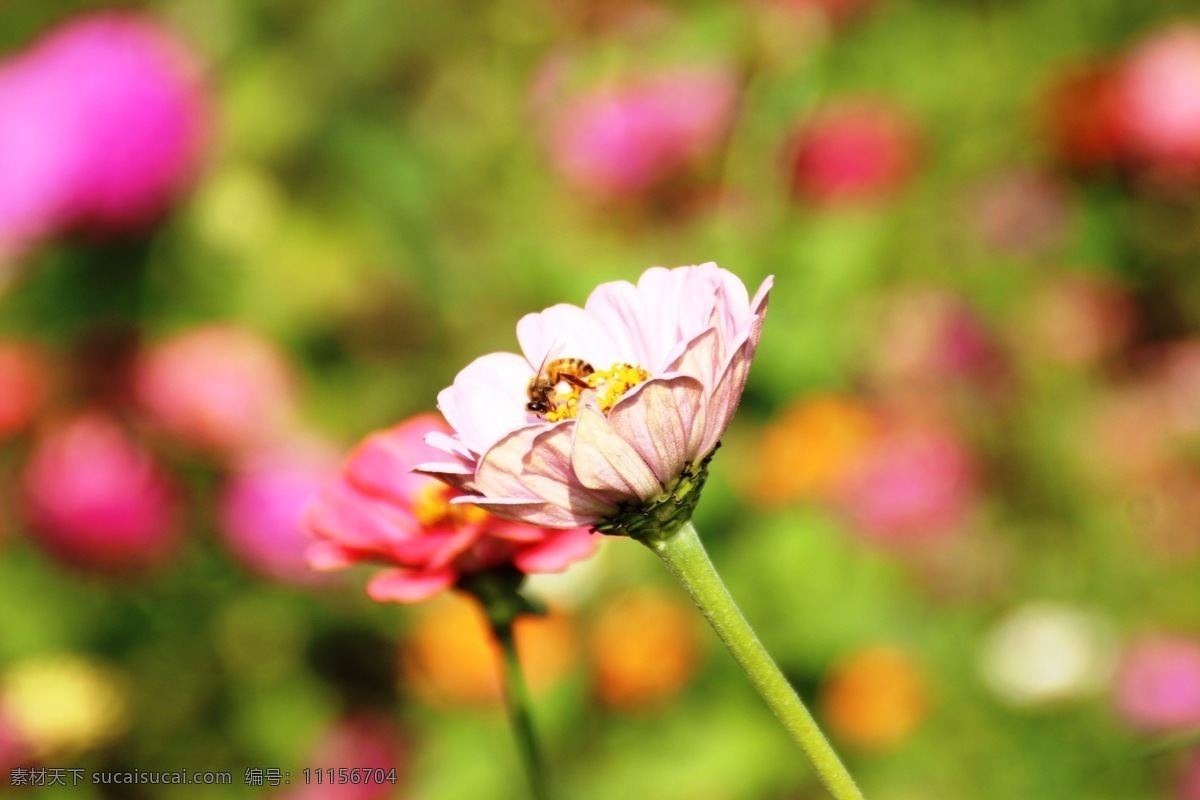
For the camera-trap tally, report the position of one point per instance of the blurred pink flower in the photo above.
(378, 510)
(262, 506)
(39, 156)
(1158, 688)
(95, 499)
(671, 356)
(23, 384)
(916, 484)
(359, 742)
(853, 151)
(930, 340)
(217, 387)
(1158, 100)
(1023, 213)
(618, 141)
(102, 122)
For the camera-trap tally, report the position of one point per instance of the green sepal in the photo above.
(660, 517)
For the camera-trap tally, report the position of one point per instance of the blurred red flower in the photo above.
(853, 151)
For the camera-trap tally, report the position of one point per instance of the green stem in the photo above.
(517, 695)
(684, 555)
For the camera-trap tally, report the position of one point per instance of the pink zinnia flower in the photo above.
(1158, 689)
(854, 151)
(95, 499)
(262, 507)
(669, 358)
(217, 387)
(378, 510)
(622, 140)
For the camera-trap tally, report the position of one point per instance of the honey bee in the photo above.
(544, 384)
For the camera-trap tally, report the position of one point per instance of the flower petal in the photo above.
(621, 306)
(404, 586)
(603, 461)
(548, 471)
(758, 306)
(532, 512)
(449, 445)
(702, 358)
(487, 400)
(558, 552)
(658, 419)
(728, 392)
(357, 520)
(499, 473)
(565, 331)
(456, 475)
(380, 464)
(327, 556)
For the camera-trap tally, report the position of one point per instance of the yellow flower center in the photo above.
(610, 384)
(432, 508)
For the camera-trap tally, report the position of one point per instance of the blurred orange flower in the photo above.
(874, 698)
(450, 660)
(644, 647)
(810, 447)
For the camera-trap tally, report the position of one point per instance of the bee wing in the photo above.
(552, 352)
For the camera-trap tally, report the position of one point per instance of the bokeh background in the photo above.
(961, 500)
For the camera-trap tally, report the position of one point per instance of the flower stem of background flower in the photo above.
(684, 555)
(517, 695)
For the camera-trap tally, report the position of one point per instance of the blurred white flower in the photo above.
(1045, 653)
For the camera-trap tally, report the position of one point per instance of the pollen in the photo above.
(433, 509)
(610, 384)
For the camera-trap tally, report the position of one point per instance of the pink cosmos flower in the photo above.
(670, 357)
(1158, 99)
(95, 499)
(854, 151)
(262, 506)
(217, 387)
(1158, 689)
(623, 140)
(102, 122)
(377, 509)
